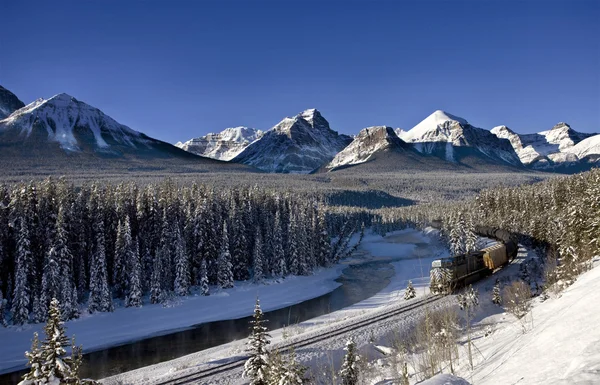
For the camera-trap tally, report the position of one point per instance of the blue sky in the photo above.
(180, 69)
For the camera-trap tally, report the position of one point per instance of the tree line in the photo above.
(93, 245)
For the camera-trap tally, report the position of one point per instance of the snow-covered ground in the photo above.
(410, 253)
(557, 342)
(129, 324)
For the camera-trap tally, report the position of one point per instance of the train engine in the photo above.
(450, 274)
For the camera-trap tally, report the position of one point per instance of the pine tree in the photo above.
(100, 299)
(134, 296)
(294, 257)
(35, 361)
(410, 292)
(22, 290)
(496, 294)
(257, 257)
(256, 367)
(156, 288)
(278, 262)
(225, 277)
(204, 289)
(64, 258)
(182, 265)
(53, 347)
(123, 254)
(51, 284)
(49, 363)
(349, 371)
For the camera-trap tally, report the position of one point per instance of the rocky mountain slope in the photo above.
(551, 148)
(455, 140)
(299, 144)
(224, 145)
(9, 103)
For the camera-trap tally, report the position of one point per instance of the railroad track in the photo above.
(199, 375)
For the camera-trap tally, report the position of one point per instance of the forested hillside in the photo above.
(560, 217)
(94, 245)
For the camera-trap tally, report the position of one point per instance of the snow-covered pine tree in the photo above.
(22, 290)
(278, 263)
(64, 258)
(293, 252)
(225, 277)
(100, 299)
(134, 295)
(456, 237)
(56, 365)
(35, 361)
(182, 265)
(323, 241)
(496, 294)
(51, 283)
(239, 246)
(349, 371)
(470, 236)
(410, 292)
(204, 288)
(157, 294)
(257, 257)
(256, 367)
(123, 255)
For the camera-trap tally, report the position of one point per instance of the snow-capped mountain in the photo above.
(367, 143)
(63, 124)
(9, 103)
(299, 144)
(454, 139)
(549, 148)
(224, 145)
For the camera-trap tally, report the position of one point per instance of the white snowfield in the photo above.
(561, 344)
(412, 252)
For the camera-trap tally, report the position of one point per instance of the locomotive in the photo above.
(450, 274)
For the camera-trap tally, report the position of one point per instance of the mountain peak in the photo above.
(443, 116)
(561, 126)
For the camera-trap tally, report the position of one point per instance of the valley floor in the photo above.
(410, 252)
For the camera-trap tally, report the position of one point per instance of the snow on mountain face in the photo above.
(546, 148)
(9, 103)
(225, 145)
(368, 142)
(295, 145)
(589, 147)
(65, 118)
(444, 134)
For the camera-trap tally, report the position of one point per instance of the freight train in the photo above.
(450, 274)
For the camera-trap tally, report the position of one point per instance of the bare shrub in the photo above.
(516, 298)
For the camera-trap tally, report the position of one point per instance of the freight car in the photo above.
(449, 274)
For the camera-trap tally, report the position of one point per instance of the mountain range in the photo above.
(66, 128)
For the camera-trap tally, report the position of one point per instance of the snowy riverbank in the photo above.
(129, 324)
